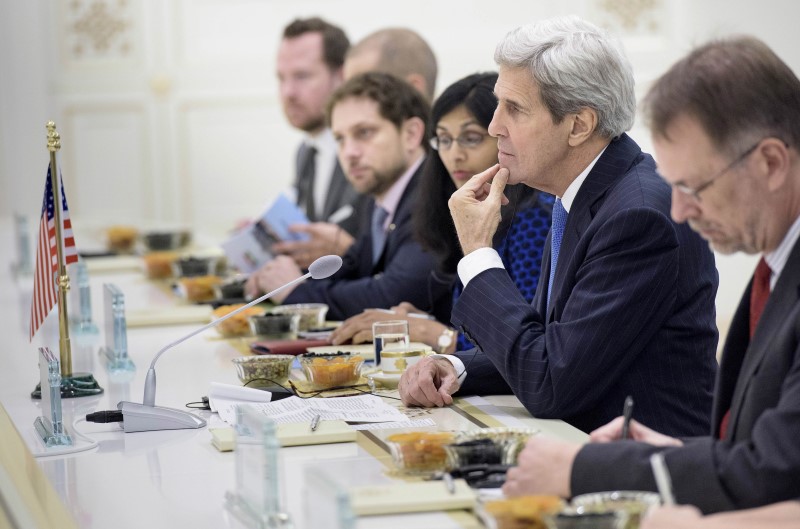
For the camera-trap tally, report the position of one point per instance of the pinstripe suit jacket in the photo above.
(631, 312)
(759, 381)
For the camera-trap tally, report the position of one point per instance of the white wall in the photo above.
(178, 120)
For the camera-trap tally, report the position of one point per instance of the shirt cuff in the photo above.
(458, 364)
(476, 262)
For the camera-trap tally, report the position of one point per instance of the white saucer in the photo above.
(387, 380)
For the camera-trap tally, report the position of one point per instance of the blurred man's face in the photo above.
(305, 81)
(727, 211)
(372, 150)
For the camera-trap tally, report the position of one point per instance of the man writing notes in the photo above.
(726, 125)
(309, 68)
(628, 306)
(379, 123)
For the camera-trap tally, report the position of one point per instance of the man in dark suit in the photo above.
(379, 123)
(629, 305)
(726, 126)
(309, 68)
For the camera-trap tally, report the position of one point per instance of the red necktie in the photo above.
(759, 293)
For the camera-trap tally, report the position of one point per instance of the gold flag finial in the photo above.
(53, 138)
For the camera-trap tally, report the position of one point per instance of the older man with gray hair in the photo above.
(628, 305)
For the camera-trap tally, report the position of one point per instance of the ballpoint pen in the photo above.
(663, 480)
(627, 412)
(315, 422)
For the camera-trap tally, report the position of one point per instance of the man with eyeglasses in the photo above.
(726, 124)
(625, 306)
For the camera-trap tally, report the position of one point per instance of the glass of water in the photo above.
(389, 336)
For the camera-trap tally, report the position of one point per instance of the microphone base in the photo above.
(137, 417)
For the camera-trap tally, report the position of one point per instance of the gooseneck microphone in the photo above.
(147, 416)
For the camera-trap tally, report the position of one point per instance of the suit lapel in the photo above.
(610, 167)
(783, 297)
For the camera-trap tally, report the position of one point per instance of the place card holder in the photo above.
(49, 424)
(81, 301)
(24, 264)
(116, 349)
(327, 502)
(256, 501)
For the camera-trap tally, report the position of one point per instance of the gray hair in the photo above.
(575, 65)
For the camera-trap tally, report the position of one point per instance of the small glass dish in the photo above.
(571, 518)
(158, 265)
(474, 452)
(263, 371)
(420, 453)
(238, 324)
(634, 503)
(230, 289)
(527, 512)
(275, 326)
(157, 241)
(510, 441)
(198, 289)
(312, 315)
(326, 371)
(195, 266)
(121, 239)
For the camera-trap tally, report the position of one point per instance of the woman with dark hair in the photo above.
(462, 148)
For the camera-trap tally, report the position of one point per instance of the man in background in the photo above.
(309, 68)
(397, 51)
(380, 125)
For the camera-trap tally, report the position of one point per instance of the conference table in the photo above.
(177, 478)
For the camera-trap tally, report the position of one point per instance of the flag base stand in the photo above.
(74, 385)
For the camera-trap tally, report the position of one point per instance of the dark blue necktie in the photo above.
(556, 234)
(378, 233)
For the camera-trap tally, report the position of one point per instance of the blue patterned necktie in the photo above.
(556, 234)
(378, 234)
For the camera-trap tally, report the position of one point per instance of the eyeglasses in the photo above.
(466, 140)
(694, 192)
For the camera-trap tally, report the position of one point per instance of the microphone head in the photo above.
(325, 266)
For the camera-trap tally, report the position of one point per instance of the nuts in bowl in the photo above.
(326, 371)
(266, 370)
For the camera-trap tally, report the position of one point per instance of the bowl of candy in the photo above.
(238, 324)
(522, 512)
(488, 446)
(419, 453)
(331, 370)
(158, 241)
(634, 503)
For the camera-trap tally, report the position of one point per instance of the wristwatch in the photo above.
(446, 339)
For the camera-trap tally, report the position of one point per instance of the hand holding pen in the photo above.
(627, 413)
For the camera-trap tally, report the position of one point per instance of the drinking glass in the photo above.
(389, 336)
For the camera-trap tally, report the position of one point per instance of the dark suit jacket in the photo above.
(400, 274)
(340, 194)
(631, 312)
(759, 381)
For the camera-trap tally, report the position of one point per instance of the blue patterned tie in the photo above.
(556, 234)
(378, 234)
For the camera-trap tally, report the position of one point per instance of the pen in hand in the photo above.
(315, 422)
(627, 412)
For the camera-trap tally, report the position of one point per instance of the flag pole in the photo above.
(72, 384)
(65, 350)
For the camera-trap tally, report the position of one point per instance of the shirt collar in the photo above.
(777, 258)
(575, 186)
(391, 199)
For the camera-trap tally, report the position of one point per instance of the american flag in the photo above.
(45, 292)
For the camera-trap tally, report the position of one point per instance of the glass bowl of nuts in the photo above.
(419, 453)
(263, 371)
